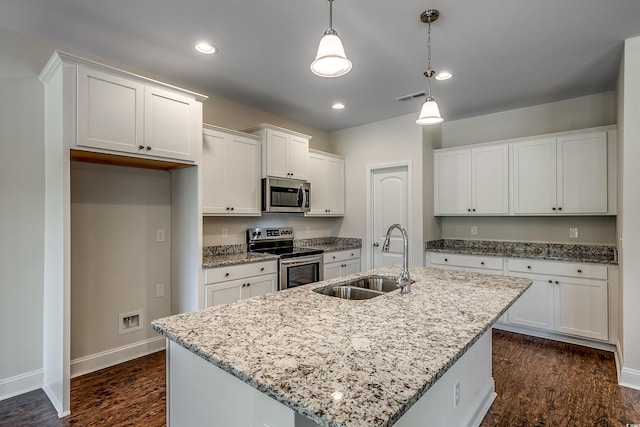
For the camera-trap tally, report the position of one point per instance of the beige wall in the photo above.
(571, 114)
(388, 141)
(116, 261)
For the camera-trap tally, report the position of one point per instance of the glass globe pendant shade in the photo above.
(430, 113)
(331, 61)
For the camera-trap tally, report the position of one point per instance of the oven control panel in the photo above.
(262, 234)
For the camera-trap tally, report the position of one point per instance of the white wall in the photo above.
(21, 226)
(577, 113)
(388, 141)
(629, 222)
(115, 258)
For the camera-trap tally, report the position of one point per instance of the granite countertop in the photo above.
(219, 256)
(210, 261)
(383, 353)
(598, 254)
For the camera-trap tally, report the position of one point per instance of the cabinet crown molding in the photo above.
(59, 58)
(264, 126)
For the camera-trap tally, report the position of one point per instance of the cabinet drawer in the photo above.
(467, 261)
(590, 271)
(341, 255)
(233, 272)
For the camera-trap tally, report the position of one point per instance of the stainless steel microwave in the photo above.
(285, 195)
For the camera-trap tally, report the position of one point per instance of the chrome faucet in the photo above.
(403, 280)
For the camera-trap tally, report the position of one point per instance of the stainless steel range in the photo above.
(297, 266)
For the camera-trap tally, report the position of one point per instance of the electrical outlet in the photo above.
(307, 229)
(225, 234)
(573, 233)
(159, 290)
(474, 230)
(160, 235)
(456, 395)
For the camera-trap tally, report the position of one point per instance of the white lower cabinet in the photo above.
(232, 283)
(570, 299)
(566, 298)
(341, 263)
(466, 263)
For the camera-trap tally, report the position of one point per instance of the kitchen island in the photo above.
(299, 358)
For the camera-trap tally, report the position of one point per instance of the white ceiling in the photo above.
(504, 53)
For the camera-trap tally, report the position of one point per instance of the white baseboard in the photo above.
(104, 359)
(555, 336)
(484, 403)
(55, 402)
(629, 378)
(23, 383)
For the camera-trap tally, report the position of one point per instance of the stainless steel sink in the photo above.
(362, 288)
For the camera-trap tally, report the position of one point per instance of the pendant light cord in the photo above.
(331, 14)
(429, 72)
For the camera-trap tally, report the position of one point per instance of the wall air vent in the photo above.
(412, 96)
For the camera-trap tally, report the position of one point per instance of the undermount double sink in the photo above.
(359, 289)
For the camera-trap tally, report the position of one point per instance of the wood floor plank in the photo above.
(539, 383)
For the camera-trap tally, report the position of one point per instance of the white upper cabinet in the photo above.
(171, 123)
(326, 175)
(472, 181)
(230, 172)
(120, 113)
(565, 175)
(284, 152)
(110, 111)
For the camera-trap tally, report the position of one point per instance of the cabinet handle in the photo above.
(579, 270)
(140, 147)
(148, 147)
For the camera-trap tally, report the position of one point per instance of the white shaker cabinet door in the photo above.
(260, 285)
(535, 307)
(318, 179)
(490, 180)
(298, 151)
(335, 186)
(216, 154)
(170, 126)
(581, 307)
(245, 176)
(582, 173)
(110, 111)
(453, 182)
(277, 163)
(534, 176)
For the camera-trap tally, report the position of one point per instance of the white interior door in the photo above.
(389, 205)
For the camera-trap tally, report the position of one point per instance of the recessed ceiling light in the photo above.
(338, 106)
(443, 75)
(206, 48)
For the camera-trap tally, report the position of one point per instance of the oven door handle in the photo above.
(292, 262)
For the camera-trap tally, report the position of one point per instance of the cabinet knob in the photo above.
(556, 282)
(248, 284)
(550, 281)
(579, 270)
(148, 147)
(481, 262)
(226, 274)
(352, 254)
(228, 208)
(560, 209)
(445, 260)
(262, 269)
(231, 208)
(473, 210)
(334, 257)
(468, 210)
(553, 208)
(376, 244)
(140, 147)
(529, 267)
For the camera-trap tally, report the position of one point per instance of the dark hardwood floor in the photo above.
(539, 383)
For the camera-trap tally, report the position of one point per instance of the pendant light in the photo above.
(430, 113)
(331, 61)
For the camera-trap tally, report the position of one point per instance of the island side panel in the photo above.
(474, 374)
(200, 394)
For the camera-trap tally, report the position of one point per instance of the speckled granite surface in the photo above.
(219, 256)
(383, 353)
(602, 254)
(330, 244)
(235, 258)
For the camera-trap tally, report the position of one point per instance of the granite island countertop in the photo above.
(383, 353)
(597, 254)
